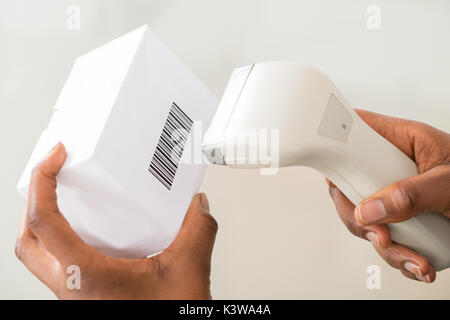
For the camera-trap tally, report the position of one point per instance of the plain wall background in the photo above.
(279, 235)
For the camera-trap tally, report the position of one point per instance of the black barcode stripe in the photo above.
(184, 114)
(169, 150)
(185, 127)
(172, 168)
(160, 176)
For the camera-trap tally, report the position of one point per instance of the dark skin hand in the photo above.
(47, 246)
(427, 192)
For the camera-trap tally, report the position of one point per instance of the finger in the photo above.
(42, 264)
(345, 208)
(409, 275)
(411, 137)
(43, 216)
(198, 232)
(429, 191)
(410, 263)
(407, 261)
(396, 130)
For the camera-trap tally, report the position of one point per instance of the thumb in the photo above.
(42, 213)
(198, 232)
(429, 191)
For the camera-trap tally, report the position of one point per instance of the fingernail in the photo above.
(204, 201)
(424, 278)
(371, 211)
(414, 268)
(373, 237)
(53, 148)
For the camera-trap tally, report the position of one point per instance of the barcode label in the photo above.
(170, 146)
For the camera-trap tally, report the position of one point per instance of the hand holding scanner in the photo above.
(317, 128)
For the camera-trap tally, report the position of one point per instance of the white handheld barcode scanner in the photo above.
(317, 128)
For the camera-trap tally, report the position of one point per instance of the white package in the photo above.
(111, 115)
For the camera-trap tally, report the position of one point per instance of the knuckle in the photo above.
(354, 227)
(158, 269)
(33, 218)
(420, 129)
(390, 260)
(209, 222)
(19, 249)
(36, 169)
(405, 197)
(39, 171)
(392, 256)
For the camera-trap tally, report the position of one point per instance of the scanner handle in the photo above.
(366, 164)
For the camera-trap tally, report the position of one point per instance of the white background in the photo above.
(279, 235)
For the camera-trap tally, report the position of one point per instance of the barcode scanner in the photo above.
(316, 127)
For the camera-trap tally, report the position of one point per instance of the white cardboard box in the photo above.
(110, 115)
